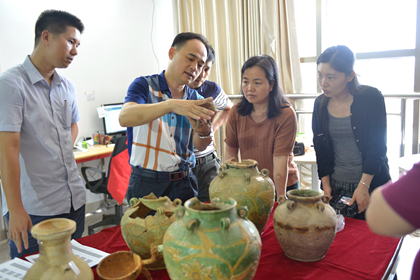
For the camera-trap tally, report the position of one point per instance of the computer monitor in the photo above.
(111, 122)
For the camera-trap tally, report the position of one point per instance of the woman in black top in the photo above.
(349, 127)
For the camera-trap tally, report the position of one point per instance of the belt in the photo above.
(206, 158)
(160, 175)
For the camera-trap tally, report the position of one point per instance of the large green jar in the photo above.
(211, 241)
(243, 182)
(142, 232)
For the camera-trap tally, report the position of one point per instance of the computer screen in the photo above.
(111, 122)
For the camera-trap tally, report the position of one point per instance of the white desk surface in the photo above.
(307, 158)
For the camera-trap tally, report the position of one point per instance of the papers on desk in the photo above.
(14, 269)
(79, 149)
(90, 255)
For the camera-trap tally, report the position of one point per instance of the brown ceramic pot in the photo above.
(243, 182)
(124, 265)
(56, 259)
(305, 225)
(141, 232)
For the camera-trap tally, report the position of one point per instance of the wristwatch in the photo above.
(205, 136)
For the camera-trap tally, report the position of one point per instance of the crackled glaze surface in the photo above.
(141, 232)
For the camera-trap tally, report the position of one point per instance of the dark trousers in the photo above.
(76, 215)
(205, 173)
(144, 182)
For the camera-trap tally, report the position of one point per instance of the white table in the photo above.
(309, 158)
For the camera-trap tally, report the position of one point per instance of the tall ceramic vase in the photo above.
(56, 259)
(141, 232)
(243, 182)
(305, 225)
(211, 241)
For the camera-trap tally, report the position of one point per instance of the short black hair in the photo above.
(56, 22)
(180, 40)
(211, 56)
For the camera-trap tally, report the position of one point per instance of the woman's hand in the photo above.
(327, 190)
(326, 186)
(361, 196)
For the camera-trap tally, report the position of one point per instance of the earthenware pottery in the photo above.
(305, 225)
(243, 182)
(142, 232)
(56, 259)
(209, 105)
(125, 265)
(211, 241)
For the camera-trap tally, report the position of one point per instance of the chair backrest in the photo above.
(120, 146)
(119, 171)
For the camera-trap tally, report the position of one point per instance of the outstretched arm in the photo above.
(133, 114)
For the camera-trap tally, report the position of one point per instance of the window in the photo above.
(382, 34)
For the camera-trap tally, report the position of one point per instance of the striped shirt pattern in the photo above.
(165, 144)
(220, 100)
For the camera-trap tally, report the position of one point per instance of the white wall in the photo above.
(115, 48)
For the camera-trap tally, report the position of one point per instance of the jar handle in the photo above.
(281, 199)
(177, 202)
(325, 199)
(243, 212)
(192, 224)
(247, 177)
(224, 223)
(265, 172)
(161, 210)
(291, 205)
(222, 174)
(154, 253)
(320, 206)
(179, 212)
(133, 201)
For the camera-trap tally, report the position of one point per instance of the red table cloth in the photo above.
(356, 253)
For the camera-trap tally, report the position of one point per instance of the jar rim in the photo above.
(246, 163)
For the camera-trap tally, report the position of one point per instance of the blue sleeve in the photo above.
(138, 91)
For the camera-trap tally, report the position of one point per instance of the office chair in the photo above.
(101, 187)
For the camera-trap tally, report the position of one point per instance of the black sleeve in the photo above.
(324, 163)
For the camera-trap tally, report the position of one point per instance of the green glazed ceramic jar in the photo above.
(243, 182)
(211, 241)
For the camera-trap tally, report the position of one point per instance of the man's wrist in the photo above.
(205, 136)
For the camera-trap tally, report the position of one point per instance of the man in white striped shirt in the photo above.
(207, 165)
